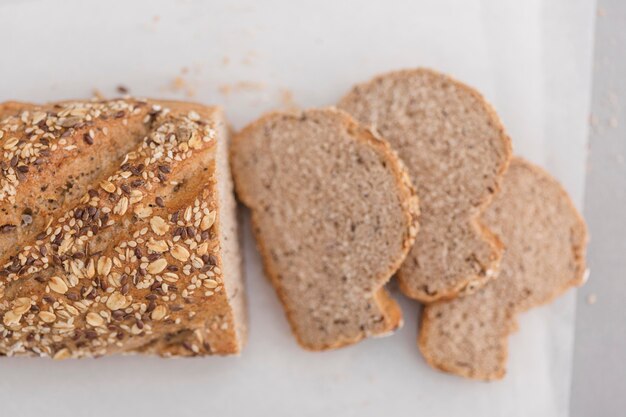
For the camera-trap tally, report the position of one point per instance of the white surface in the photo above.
(532, 61)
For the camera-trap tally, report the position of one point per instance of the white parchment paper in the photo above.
(531, 59)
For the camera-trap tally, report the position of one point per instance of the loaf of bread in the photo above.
(456, 151)
(118, 231)
(334, 215)
(545, 239)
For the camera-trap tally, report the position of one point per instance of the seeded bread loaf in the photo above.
(456, 151)
(119, 231)
(334, 215)
(545, 240)
(12, 108)
(38, 141)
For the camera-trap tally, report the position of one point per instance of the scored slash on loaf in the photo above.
(48, 163)
(334, 215)
(131, 240)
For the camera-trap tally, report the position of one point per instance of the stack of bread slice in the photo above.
(332, 196)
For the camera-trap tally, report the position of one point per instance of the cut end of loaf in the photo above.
(545, 239)
(456, 151)
(334, 214)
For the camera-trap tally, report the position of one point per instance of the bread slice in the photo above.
(456, 151)
(545, 241)
(147, 260)
(334, 215)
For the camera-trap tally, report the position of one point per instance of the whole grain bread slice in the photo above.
(456, 151)
(545, 239)
(334, 215)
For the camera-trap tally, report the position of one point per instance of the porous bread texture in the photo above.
(545, 239)
(456, 151)
(139, 261)
(334, 215)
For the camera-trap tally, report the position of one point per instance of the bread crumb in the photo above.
(224, 89)
(156, 18)
(592, 299)
(249, 58)
(240, 87)
(286, 99)
(122, 89)
(179, 84)
(601, 12)
(97, 94)
(225, 61)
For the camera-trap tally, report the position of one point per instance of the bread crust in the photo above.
(410, 203)
(470, 282)
(125, 268)
(578, 256)
(42, 179)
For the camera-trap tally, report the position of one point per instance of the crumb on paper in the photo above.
(601, 12)
(593, 120)
(152, 24)
(240, 87)
(184, 70)
(613, 122)
(97, 94)
(122, 89)
(179, 84)
(250, 58)
(592, 299)
(286, 99)
(225, 61)
(225, 89)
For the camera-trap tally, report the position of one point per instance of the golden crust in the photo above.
(124, 269)
(50, 156)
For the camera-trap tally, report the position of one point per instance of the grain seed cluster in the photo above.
(129, 262)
